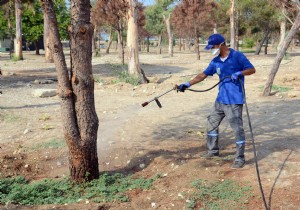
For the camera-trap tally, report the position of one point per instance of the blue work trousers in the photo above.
(233, 113)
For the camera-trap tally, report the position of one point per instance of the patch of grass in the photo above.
(287, 56)
(47, 127)
(276, 88)
(247, 51)
(107, 188)
(120, 71)
(8, 117)
(44, 117)
(51, 144)
(219, 195)
(15, 58)
(98, 79)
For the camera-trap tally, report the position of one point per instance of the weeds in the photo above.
(123, 76)
(44, 117)
(219, 195)
(52, 144)
(277, 88)
(47, 127)
(7, 117)
(98, 79)
(107, 188)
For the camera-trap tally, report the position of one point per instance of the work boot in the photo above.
(238, 164)
(210, 155)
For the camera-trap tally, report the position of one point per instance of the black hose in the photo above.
(252, 136)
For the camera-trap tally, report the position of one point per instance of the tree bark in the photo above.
(159, 44)
(170, 35)
(109, 42)
(148, 44)
(282, 33)
(11, 45)
(37, 48)
(280, 55)
(76, 92)
(132, 43)
(18, 45)
(94, 43)
(121, 42)
(48, 54)
(232, 25)
(197, 48)
(262, 41)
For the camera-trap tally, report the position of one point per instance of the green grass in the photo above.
(276, 88)
(108, 188)
(98, 79)
(51, 144)
(219, 195)
(8, 117)
(120, 71)
(247, 51)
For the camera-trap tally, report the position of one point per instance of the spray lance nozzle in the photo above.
(156, 98)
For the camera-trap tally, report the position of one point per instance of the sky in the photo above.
(147, 2)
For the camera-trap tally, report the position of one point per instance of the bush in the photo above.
(248, 43)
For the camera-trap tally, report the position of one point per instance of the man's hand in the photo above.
(235, 76)
(184, 86)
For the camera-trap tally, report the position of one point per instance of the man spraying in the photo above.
(230, 99)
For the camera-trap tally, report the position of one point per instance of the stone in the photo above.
(43, 93)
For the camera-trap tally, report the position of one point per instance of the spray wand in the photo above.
(156, 98)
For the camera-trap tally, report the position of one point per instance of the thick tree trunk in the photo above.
(132, 43)
(232, 26)
(170, 35)
(48, 54)
(262, 41)
(109, 42)
(18, 45)
(80, 121)
(180, 43)
(280, 55)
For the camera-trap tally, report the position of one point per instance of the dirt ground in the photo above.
(149, 140)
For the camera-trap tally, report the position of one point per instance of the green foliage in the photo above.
(32, 22)
(3, 25)
(154, 20)
(219, 195)
(63, 18)
(248, 43)
(107, 188)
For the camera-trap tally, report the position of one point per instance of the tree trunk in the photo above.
(11, 45)
(180, 44)
(262, 41)
(18, 45)
(148, 43)
(132, 43)
(48, 54)
(94, 43)
(121, 44)
(109, 42)
(280, 55)
(215, 28)
(232, 26)
(76, 93)
(197, 48)
(170, 35)
(37, 48)
(282, 33)
(159, 44)
(267, 44)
